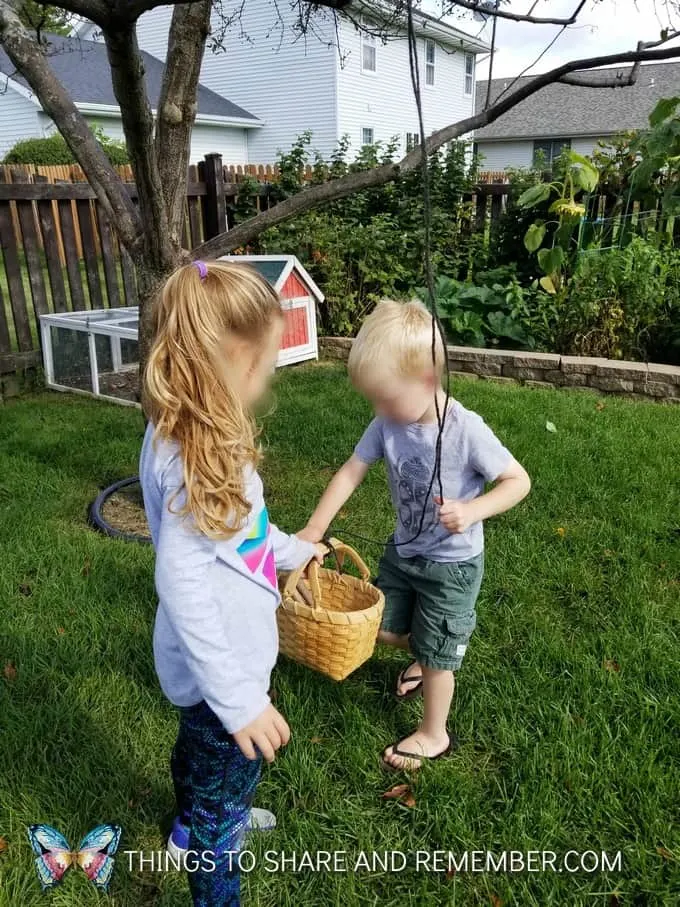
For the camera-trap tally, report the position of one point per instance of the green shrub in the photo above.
(370, 245)
(624, 304)
(53, 150)
(492, 312)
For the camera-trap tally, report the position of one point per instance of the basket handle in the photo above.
(340, 549)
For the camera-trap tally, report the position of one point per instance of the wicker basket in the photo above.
(329, 622)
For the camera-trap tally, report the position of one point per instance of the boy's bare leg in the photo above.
(413, 674)
(431, 737)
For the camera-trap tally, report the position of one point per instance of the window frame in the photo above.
(368, 40)
(469, 75)
(364, 130)
(430, 65)
(561, 142)
(413, 141)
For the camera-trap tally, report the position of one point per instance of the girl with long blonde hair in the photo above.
(218, 328)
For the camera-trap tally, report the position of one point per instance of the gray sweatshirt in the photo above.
(215, 635)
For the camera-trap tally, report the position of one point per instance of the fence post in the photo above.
(215, 206)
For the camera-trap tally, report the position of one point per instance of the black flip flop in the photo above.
(421, 757)
(415, 691)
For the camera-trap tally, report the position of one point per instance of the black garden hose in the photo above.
(97, 520)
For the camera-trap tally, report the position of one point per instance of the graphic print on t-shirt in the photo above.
(256, 549)
(412, 488)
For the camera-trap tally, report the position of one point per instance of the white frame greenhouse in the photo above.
(112, 323)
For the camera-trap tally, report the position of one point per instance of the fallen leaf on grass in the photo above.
(61, 631)
(342, 515)
(401, 792)
(3, 845)
(666, 854)
(10, 672)
(496, 901)
(316, 740)
(610, 664)
(600, 406)
(551, 427)
(561, 531)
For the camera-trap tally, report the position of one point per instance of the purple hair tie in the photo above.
(202, 268)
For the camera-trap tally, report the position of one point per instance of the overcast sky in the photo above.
(605, 26)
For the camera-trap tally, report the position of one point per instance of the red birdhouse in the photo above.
(299, 295)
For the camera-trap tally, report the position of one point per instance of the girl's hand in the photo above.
(321, 552)
(456, 516)
(310, 534)
(268, 733)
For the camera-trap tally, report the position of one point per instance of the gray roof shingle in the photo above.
(570, 110)
(83, 69)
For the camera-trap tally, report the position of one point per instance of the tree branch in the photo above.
(26, 54)
(386, 173)
(127, 71)
(478, 6)
(177, 107)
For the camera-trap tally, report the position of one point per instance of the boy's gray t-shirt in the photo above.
(472, 455)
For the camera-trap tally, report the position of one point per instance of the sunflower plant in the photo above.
(578, 175)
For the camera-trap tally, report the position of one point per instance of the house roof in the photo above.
(424, 24)
(83, 69)
(572, 110)
(276, 269)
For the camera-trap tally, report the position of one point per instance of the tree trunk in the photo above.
(149, 282)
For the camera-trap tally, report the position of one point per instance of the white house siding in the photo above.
(18, 118)
(383, 101)
(229, 141)
(288, 83)
(504, 155)
(586, 146)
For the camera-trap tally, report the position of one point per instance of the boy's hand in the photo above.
(268, 732)
(456, 516)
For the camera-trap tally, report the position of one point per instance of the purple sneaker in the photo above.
(178, 842)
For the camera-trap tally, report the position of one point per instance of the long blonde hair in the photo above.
(188, 398)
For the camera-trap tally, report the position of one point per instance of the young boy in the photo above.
(430, 578)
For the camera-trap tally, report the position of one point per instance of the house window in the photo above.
(549, 150)
(369, 46)
(412, 140)
(367, 135)
(429, 62)
(469, 74)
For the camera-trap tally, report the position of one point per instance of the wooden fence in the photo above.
(59, 253)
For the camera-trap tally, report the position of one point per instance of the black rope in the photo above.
(437, 327)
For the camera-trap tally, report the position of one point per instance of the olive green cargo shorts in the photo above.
(433, 602)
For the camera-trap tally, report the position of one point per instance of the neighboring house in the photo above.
(333, 81)
(571, 116)
(82, 67)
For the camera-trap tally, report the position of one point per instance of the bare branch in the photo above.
(386, 173)
(478, 6)
(619, 79)
(177, 107)
(127, 72)
(28, 57)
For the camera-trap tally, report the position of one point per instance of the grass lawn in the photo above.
(568, 705)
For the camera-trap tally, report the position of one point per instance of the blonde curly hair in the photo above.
(187, 395)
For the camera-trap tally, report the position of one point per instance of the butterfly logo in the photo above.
(94, 854)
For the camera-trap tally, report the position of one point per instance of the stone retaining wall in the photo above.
(637, 379)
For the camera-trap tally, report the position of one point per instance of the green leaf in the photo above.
(534, 195)
(551, 427)
(585, 175)
(664, 109)
(548, 285)
(534, 237)
(551, 260)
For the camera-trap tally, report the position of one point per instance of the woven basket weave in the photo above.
(329, 622)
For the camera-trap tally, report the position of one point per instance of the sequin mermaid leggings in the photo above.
(214, 786)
